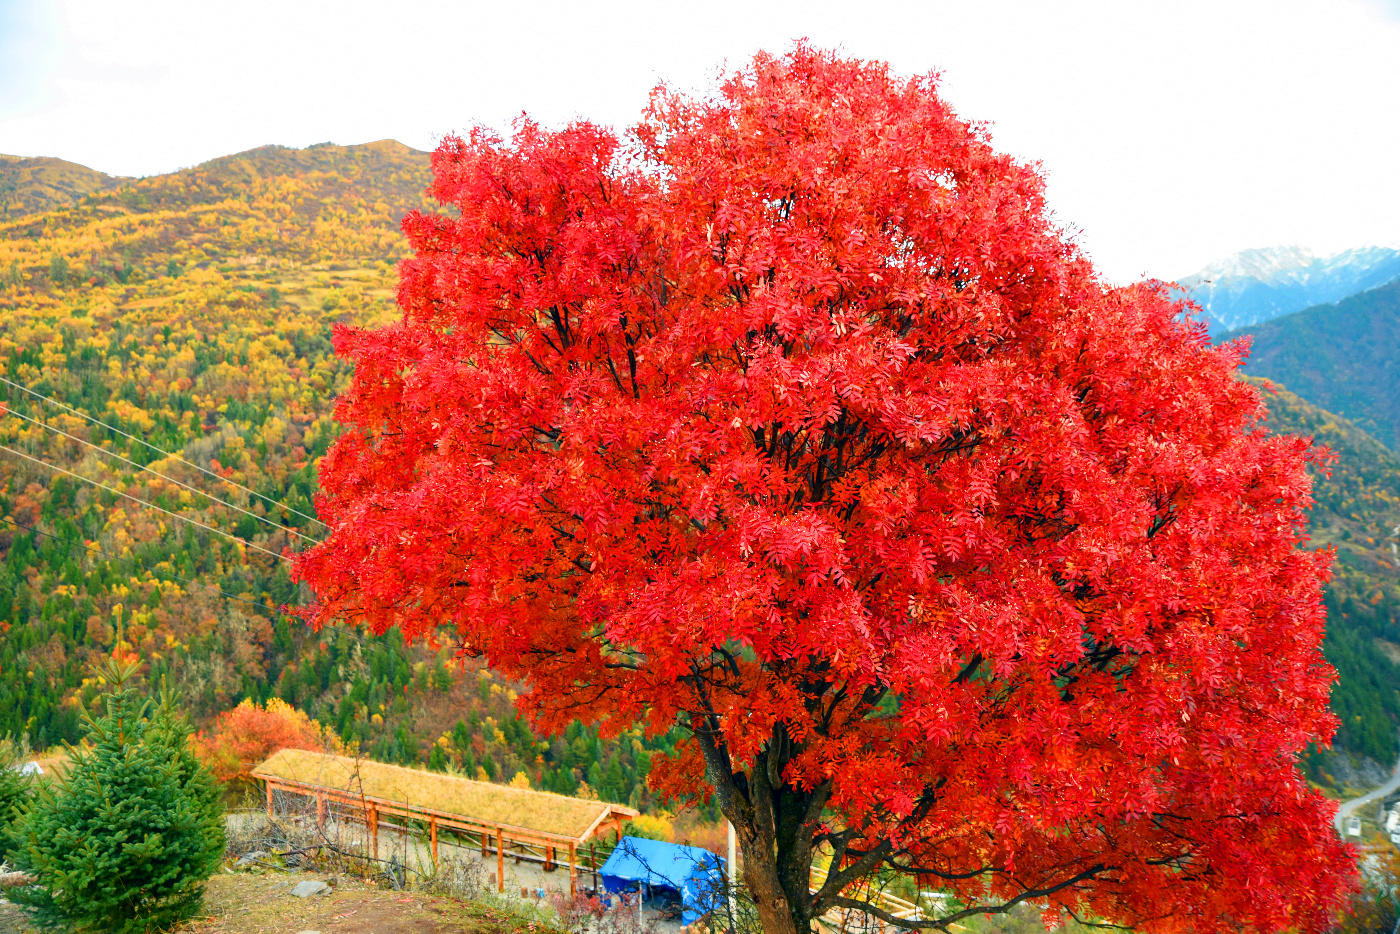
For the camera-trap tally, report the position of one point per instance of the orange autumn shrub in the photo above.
(249, 733)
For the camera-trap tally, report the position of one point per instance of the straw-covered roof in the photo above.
(478, 802)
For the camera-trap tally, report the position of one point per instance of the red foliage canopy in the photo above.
(797, 424)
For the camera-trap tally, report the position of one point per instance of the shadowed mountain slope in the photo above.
(1344, 358)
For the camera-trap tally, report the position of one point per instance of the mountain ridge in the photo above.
(38, 184)
(31, 185)
(1258, 285)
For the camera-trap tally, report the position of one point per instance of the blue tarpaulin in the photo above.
(696, 875)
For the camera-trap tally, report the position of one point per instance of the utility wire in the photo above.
(163, 453)
(213, 499)
(173, 515)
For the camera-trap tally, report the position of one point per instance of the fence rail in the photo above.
(844, 919)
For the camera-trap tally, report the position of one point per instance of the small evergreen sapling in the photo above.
(16, 788)
(126, 840)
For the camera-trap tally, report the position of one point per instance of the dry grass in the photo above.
(476, 801)
(263, 904)
(54, 761)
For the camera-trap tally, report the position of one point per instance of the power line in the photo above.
(163, 453)
(134, 499)
(213, 499)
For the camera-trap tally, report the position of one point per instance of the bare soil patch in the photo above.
(255, 903)
(246, 903)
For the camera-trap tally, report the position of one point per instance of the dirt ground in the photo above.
(246, 903)
(12, 920)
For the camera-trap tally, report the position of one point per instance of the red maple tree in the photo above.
(791, 421)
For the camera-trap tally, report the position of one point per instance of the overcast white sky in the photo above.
(1172, 133)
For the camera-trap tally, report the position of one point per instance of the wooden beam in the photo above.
(268, 785)
(320, 810)
(432, 829)
(500, 860)
(609, 813)
(573, 872)
(373, 832)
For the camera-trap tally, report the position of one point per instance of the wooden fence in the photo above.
(543, 846)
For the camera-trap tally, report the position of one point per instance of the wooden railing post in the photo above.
(373, 832)
(573, 870)
(432, 829)
(500, 860)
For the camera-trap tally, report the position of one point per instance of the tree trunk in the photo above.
(774, 908)
(774, 823)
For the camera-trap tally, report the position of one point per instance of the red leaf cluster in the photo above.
(793, 420)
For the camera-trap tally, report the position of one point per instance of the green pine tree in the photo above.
(58, 270)
(125, 842)
(15, 791)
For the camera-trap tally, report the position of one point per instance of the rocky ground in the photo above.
(1360, 773)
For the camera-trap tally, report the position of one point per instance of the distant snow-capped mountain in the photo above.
(1257, 285)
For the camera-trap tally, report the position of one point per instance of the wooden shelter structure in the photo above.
(494, 814)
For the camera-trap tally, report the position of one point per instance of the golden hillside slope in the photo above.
(31, 185)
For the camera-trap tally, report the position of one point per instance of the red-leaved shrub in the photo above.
(249, 733)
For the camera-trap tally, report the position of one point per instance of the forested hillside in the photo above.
(192, 312)
(1341, 357)
(1357, 510)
